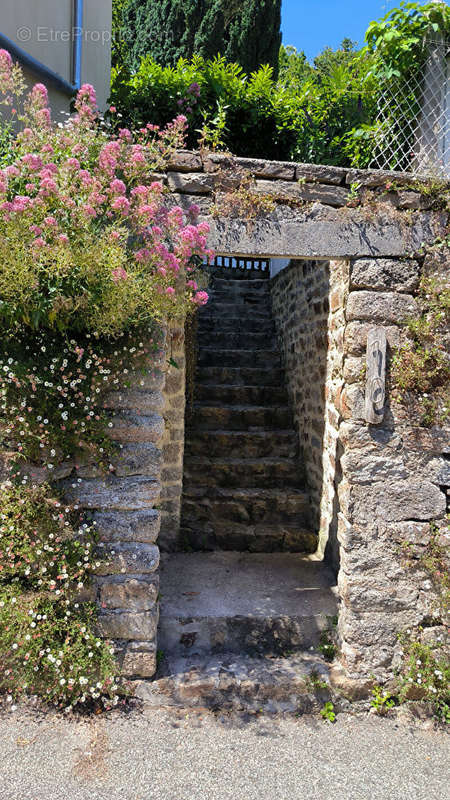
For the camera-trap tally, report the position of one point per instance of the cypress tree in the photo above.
(245, 31)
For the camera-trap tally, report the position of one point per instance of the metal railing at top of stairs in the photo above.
(242, 264)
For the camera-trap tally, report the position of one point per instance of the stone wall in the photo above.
(308, 299)
(375, 489)
(133, 505)
(394, 482)
(173, 440)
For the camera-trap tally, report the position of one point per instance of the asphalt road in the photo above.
(161, 755)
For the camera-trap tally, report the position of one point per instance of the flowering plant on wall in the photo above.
(86, 238)
(92, 259)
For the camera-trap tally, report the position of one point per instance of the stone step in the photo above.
(240, 297)
(240, 418)
(228, 273)
(235, 324)
(243, 472)
(230, 285)
(252, 603)
(298, 684)
(248, 376)
(241, 395)
(215, 357)
(245, 444)
(247, 506)
(232, 340)
(221, 310)
(218, 534)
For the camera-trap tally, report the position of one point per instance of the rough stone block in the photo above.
(124, 625)
(149, 380)
(307, 192)
(384, 273)
(387, 307)
(378, 177)
(325, 232)
(133, 558)
(355, 337)
(129, 427)
(138, 659)
(417, 533)
(142, 402)
(111, 492)
(317, 173)
(131, 526)
(138, 459)
(185, 161)
(130, 594)
(190, 183)
(254, 166)
(397, 501)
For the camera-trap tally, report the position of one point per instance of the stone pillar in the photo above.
(390, 491)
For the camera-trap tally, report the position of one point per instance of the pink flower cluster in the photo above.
(69, 182)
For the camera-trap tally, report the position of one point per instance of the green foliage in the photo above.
(48, 645)
(52, 393)
(328, 713)
(381, 701)
(323, 112)
(421, 369)
(399, 39)
(327, 647)
(425, 675)
(247, 32)
(304, 118)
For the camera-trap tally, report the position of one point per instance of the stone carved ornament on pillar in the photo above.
(375, 376)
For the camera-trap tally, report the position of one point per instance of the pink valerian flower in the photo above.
(200, 298)
(33, 161)
(125, 134)
(121, 204)
(117, 186)
(73, 163)
(119, 274)
(143, 255)
(89, 211)
(170, 291)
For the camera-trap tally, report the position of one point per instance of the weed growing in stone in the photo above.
(421, 368)
(425, 675)
(328, 713)
(381, 701)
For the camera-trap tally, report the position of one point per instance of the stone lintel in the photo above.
(322, 233)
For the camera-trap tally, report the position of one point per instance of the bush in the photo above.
(263, 118)
(86, 239)
(48, 645)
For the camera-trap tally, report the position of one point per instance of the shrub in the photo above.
(86, 239)
(47, 641)
(247, 31)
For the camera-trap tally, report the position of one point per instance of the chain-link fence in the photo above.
(412, 128)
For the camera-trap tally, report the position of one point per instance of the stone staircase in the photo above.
(244, 487)
(241, 624)
(242, 631)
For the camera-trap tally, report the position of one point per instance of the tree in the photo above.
(243, 31)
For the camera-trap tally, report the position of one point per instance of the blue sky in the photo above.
(311, 25)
